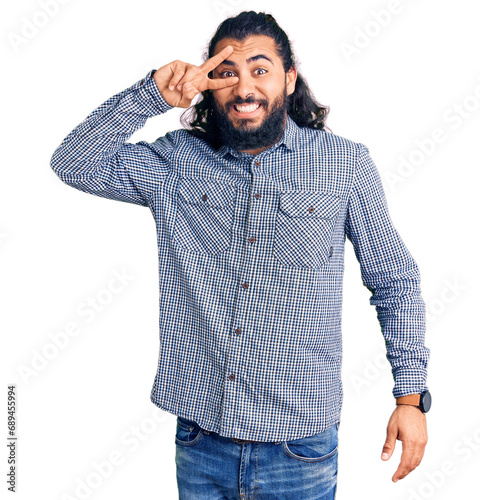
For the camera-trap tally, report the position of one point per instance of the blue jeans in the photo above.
(214, 467)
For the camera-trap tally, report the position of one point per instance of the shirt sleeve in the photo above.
(95, 157)
(391, 274)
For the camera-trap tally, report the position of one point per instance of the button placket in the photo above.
(247, 263)
(252, 239)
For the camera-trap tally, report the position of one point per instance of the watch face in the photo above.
(426, 402)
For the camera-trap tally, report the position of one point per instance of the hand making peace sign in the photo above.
(180, 82)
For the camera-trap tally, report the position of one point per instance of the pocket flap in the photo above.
(210, 192)
(314, 204)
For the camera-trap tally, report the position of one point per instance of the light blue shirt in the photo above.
(251, 259)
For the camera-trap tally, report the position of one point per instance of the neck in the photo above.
(253, 151)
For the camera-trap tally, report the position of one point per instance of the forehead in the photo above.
(251, 46)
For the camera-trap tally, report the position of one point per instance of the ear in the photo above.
(291, 78)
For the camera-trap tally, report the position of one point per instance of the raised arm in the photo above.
(95, 157)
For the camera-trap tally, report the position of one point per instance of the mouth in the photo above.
(246, 110)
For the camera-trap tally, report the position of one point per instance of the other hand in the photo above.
(409, 425)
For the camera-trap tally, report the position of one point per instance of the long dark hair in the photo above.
(199, 119)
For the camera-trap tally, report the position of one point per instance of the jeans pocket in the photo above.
(317, 448)
(188, 432)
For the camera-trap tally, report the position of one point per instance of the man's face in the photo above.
(251, 114)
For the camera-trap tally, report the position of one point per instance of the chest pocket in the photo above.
(204, 215)
(304, 226)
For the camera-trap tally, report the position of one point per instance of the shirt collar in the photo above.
(289, 139)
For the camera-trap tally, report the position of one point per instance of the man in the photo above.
(252, 203)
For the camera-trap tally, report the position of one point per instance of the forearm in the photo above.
(401, 314)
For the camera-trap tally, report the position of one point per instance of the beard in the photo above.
(244, 137)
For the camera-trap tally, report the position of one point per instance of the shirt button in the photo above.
(257, 163)
(231, 377)
(330, 253)
(257, 195)
(238, 331)
(204, 197)
(251, 239)
(245, 285)
(311, 209)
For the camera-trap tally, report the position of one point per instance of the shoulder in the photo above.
(330, 143)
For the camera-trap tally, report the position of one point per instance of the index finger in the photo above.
(214, 61)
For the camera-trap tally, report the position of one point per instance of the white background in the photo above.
(415, 71)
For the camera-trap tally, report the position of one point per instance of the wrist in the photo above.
(408, 408)
(421, 401)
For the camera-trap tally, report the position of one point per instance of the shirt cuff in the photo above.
(150, 96)
(415, 383)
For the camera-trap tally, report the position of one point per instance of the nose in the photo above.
(244, 87)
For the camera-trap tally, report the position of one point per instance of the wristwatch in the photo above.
(422, 401)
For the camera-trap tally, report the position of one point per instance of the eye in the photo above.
(262, 69)
(222, 74)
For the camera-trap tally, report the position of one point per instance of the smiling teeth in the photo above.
(247, 109)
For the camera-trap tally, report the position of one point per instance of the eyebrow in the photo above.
(249, 60)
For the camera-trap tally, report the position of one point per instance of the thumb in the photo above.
(389, 446)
